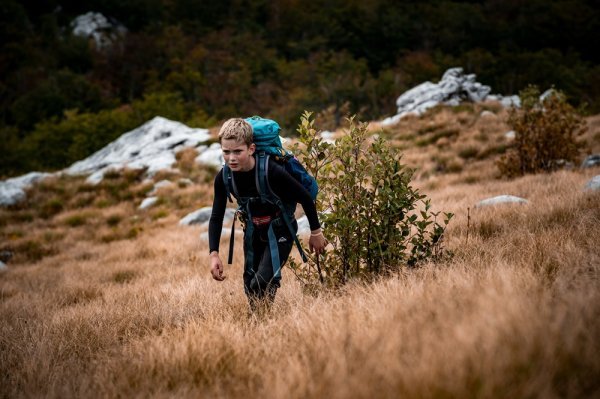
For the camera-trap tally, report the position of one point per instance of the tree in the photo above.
(546, 130)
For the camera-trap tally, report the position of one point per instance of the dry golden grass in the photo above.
(514, 313)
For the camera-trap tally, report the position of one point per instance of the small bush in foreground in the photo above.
(546, 131)
(375, 221)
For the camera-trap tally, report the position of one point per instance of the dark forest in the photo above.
(62, 97)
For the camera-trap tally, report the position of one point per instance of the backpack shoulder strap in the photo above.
(229, 183)
(261, 176)
(265, 191)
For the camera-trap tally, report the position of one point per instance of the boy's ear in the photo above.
(252, 148)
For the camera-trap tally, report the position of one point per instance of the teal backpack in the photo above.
(268, 144)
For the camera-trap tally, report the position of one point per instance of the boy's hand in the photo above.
(317, 242)
(216, 267)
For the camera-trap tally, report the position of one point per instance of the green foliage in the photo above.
(77, 220)
(546, 132)
(374, 219)
(51, 207)
(57, 143)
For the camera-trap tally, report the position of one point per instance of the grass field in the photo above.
(104, 300)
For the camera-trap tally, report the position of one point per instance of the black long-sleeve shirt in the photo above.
(283, 185)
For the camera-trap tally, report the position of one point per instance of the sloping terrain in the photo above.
(102, 299)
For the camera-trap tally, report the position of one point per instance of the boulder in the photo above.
(159, 185)
(303, 226)
(594, 184)
(211, 156)
(501, 199)
(12, 191)
(591, 161)
(510, 135)
(148, 202)
(202, 215)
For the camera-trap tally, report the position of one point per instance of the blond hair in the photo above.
(238, 130)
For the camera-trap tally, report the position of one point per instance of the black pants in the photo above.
(259, 280)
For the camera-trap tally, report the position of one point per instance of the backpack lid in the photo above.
(266, 135)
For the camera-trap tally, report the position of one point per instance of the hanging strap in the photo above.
(248, 233)
(273, 248)
(227, 181)
(231, 240)
(288, 223)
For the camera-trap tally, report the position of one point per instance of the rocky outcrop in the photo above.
(151, 146)
(12, 191)
(454, 88)
(102, 30)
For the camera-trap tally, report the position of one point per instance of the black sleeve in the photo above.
(215, 225)
(289, 189)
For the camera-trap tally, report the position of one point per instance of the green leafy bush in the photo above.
(546, 132)
(375, 221)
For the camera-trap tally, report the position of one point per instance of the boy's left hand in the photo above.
(317, 243)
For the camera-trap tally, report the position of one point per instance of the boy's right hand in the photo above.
(216, 267)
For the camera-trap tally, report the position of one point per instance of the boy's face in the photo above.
(238, 156)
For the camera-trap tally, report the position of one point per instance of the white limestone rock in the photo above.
(151, 146)
(591, 161)
(202, 215)
(159, 185)
(12, 191)
(594, 184)
(501, 199)
(102, 30)
(148, 202)
(454, 88)
(328, 137)
(510, 135)
(303, 226)
(3, 267)
(211, 156)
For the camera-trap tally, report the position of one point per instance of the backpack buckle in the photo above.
(242, 216)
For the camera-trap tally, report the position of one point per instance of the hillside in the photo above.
(103, 299)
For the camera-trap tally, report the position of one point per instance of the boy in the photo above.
(260, 281)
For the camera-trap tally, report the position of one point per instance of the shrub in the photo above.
(114, 220)
(76, 220)
(124, 276)
(375, 221)
(546, 131)
(468, 152)
(51, 208)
